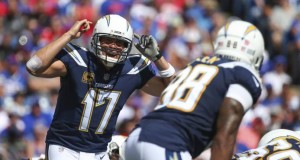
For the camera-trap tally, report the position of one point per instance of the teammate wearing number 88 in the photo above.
(95, 84)
(205, 102)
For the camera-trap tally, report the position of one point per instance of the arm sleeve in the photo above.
(62, 55)
(146, 75)
(241, 94)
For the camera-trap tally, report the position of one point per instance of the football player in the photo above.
(276, 144)
(205, 102)
(95, 84)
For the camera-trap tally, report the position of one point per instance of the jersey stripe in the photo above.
(142, 64)
(241, 64)
(75, 55)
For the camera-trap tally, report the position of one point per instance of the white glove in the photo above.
(147, 45)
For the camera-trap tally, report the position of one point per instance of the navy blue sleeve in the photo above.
(71, 55)
(247, 79)
(63, 56)
(146, 74)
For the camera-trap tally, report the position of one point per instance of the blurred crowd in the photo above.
(184, 30)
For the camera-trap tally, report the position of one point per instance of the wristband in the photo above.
(168, 72)
(157, 57)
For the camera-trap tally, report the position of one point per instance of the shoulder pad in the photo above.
(73, 51)
(243, 65)
(246, 76)
(139, 63)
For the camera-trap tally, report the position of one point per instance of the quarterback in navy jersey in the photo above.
(205, 102)
(95, 84)
(274, 145)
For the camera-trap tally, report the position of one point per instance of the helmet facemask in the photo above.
(111, 49)
(112, 40)
(277, 134)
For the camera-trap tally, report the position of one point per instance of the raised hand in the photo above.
(79, 28)
(147, 45)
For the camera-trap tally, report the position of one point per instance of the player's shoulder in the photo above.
(243, 71)
(137, 63)
(137, 58)
(73, 53)
(71, 48)
(239, 67)
(245, 75)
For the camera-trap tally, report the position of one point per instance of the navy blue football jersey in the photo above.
(91, 97)
(280, 148)
(189, 106)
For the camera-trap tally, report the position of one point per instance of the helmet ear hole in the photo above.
(126, 45)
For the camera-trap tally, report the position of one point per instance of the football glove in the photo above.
(114, 151)
(147, 45)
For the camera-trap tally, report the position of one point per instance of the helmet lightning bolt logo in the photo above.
(107, 19)
(226, 28)
(249, 29)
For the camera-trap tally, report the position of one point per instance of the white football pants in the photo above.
(137, 150)
(57, 152)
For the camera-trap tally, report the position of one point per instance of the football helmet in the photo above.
(240, 41)
(270, 136)
(111, 29)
